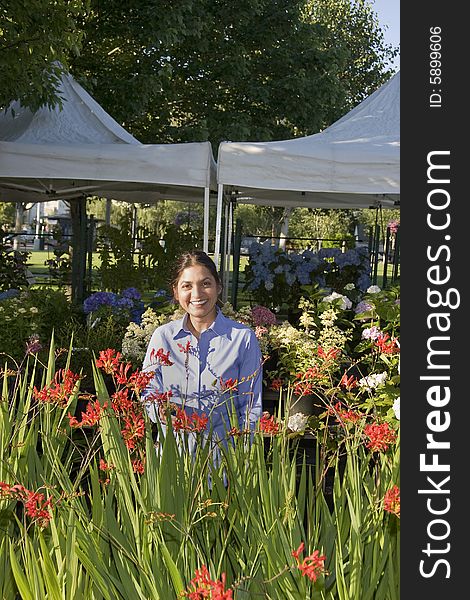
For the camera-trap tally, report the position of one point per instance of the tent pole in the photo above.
(107, 218)
(205, 244)
(227, 249)
(218, 223)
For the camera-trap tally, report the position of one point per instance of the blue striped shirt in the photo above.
(227, 350)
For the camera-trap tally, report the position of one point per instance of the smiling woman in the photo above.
(207, 368)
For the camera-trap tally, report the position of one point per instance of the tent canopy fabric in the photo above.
(351, 164)
(82, 150)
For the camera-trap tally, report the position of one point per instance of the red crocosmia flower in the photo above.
(138, 465)
(348, 382)
(35, 505)
(311, 566)
(229, 384)
(59, 390)
(186, 348)
(160, 358)
(380, 436)
(343, 414)
(193, 422)
(267, 424)
(134, 429)
(159, 397)
(138, 381)
(103, 466)
(90, 417)
(331, 354)
(392, 501)
(276, 384)
(108, 360)
(120, 373)
(121, 402)
(385, 346)
(202, 586)
(298, 552)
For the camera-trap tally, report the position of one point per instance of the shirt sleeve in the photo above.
(155, 385)
(250, 381)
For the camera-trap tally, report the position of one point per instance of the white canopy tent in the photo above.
(82, 151)
(354, 163)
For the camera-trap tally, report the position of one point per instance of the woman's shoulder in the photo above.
(238, 326)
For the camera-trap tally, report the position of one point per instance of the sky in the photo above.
(388, 12)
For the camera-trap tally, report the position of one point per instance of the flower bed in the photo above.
(91, 508)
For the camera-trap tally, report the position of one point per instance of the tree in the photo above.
(36, 40)
(321, 223)
(354, 27)
(215, 70)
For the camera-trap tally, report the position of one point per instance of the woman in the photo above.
(205, 364)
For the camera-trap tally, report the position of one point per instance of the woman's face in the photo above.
(197, 292)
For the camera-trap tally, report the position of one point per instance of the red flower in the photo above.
(344, 414)
(90, 417)
(330, 355)
(35, 505)
(380, 436)
(186, 348)
(348, 382)
(160, 358)
(59, 390)
(121, 402)
(202, 586)
(311, 566)
(228, 385)
(138, 465)
(385, 346)
(134, 429)
(160, 397)
(392, 501)
(193, 422)
(121, 373)
(276, 384)
(108, 360)
(104, 466)
(138, 381)
(267, 424)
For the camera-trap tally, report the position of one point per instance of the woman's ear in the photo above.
(175, 293)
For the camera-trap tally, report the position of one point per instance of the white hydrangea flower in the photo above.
(373, 381)
(349, 286)
(373, 289)
(298, 422)
(345, 301)
(396, 408)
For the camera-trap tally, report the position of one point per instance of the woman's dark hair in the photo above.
(191, 259)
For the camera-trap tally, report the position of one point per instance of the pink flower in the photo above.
(262, 316)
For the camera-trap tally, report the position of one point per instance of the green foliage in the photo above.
(150, 267)
(13, 268)
(7, 214)
(60, 267)
(34, 312)
(36, 36)
(110, 531)
(332, 226)
(215, 70)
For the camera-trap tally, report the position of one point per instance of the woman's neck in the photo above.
(197, 327)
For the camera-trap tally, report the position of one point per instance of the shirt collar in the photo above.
(219, 325)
